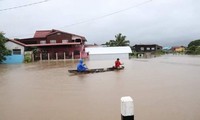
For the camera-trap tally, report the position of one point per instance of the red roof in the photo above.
(42, 33)
(45, 33)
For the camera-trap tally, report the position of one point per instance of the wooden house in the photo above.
(56, 44)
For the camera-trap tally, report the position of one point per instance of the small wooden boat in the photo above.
(96, 70)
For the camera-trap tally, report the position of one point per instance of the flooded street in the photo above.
(163, 88)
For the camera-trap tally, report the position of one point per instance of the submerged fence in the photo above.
(57, 56)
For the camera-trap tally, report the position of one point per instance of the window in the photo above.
(142, 48)
(16, 51)
(42, 42)
(52, 41)
(58, 33)
(78, 40)
(152, 48)
(64, 41)
(148, 48)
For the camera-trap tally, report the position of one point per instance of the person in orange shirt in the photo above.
(117, 63)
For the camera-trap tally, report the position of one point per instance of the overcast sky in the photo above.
(164, 22)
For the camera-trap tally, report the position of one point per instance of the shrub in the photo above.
(27, 58)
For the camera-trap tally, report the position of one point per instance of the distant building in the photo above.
(56, 44)
(17, 52)
(108, 53)
(146, 49)
(179, 49)
(167, 49)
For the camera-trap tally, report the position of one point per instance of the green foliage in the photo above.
(194, 43)
(133, 54)
(194, 47)
(159, 52)
(9, 52)
(120, 40)
(27, 58)
(3, 50)
(197, 51)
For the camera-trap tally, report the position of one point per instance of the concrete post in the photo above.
(40, 56)
(56, 56)
(32, 56)
(80, 55)
(48, 56)
(72, 55)
(127, 108)
(64, 56)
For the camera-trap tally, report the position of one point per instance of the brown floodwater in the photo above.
(163, 88)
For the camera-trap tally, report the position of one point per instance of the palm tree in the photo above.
(120, 40)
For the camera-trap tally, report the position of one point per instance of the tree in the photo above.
(3, 50)
(120, 40)
(194, 47)
(194, 43)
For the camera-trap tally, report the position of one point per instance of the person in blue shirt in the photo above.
(81, 67)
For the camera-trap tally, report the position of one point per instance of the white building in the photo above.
(108, 53)
(17, 52)
(16, 47)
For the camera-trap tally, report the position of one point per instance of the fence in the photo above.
(56, 56)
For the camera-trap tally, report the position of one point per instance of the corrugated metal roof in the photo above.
(108, 50)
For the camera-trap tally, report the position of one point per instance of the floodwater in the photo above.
(163, 88)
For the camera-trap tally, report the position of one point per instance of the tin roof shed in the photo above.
(108, 50)
(108, 53)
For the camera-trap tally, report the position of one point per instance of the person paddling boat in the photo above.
(117, 63)
(81, 67)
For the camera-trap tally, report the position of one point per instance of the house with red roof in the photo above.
(55, 44)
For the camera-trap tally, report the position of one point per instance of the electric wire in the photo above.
(26, 5)
(110, 14)
(101, 17)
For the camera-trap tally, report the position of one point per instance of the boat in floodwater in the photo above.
(97, 70)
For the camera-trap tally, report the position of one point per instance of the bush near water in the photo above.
(194, 47)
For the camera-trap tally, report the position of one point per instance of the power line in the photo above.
(26, 5)
(100, 17)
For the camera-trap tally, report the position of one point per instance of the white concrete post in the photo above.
(48, 56)
(40, 56)
(32, 55)
(72, 55)
(127, 108)
(80, 55)
(64, 56)
(56, 56)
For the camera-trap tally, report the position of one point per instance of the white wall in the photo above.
(10, 45)
(122, 56)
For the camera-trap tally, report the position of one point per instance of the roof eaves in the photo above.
(17, 42)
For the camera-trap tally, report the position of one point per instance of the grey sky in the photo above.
(164, 22)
